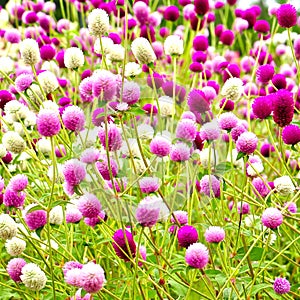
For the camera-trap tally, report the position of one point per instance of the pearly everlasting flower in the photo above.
(272, 218)
(30, 52)
(143, 51)
(15, 246)
(173, 45)
(197, 256)
(214, 234)
(13, 142)
(132, 69)
(284, 185)
(232, 88)
(33, 277)
(92, 278)
(73, 58)
(48, 81)
(8, 227)
(98, 22)
(56, 215)
(14, 268)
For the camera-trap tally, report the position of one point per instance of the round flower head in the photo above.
(173, 45)
(48, 81)
(90, 155)
(291, 134)
(124, 244)
(13, 36)
(13, 198)
(210, 185)
(69, 265)
(210, 131)
(47, 52)
(232, 89)
(262, 26)
(186, 130)
(243, 208)
(73, 215)
(86, 89)
(143, 51)
(254, 166)
(23, 82)
(74, 171)
(262, 107)
(265, 73)
(30, 51)
(56, 215)
(8, 227)
(114, 137)
(15, 246)
(132, 69)
(116, 53)
(18, 183)
(283, 107)
(227, 121)
(166, 104)
(284, 185)
(246, 143)
(33, 277)
(160, 146)
(187, 235)
(98, 22)
(14, 268)
(291, 207)
(279, 81)
(227, 37)
(214, 234)
(73, 277)
(180, 152)
(197, 102)
(104, 85)
(260, 187)
(197, 256)
(149, 184)
(131, 92)
(73, 58)
(13, 142)
(107, 44)
(92, 278)
(36, 219)
(102, 167)
(89, 205)
(171, 13)
(281, 286)
(272, 218)
(287, 15)
(48, 122)
(73, 118)
(145, 131)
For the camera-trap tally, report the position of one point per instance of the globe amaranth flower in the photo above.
(281, 285)
(260, 187)
(90, 155)
(214, 234)
(254, 166)
(186, 130)
(272, 218)
(13, 142)
(73, 118)
(262, 26)
(232, 88)
(33, 277)
(197, 256)
(243, 208)
(227, 37)
(30, 52)
(124, 244)
(98, 22)
(104, 85)
(143, 51)
(89, 205)
(14, 268)
(262, 106)
(15, 246)
(114, 138)
(36, 219)
(18, 182)
(187, 235)
(132, 69)
(73, 277)
(210, 185)
(246, 143)
(210, 131)
(227, 121)
(23, 82)
(86, 89)
(131, 92)
(173, 45)
(180, 152)
(197, 102)
(160, 146)
(73, 58)
(284, 185)
(48, 122)
(74, 171)
(8, 227)
(92, 277)
(149, 184)
(287, 15)
(103, 168)
(291, 207)
(56, 215)
(291, 134)
(265, 73)
(69, 265)
(13, 198)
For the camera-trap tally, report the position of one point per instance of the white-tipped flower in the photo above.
(50, 105)
(132, 69)
(16, 110)
(116, 53)
(284, 185)
(142, 50)
(48, 81)
(107, 44)
(98, 22)
(8, 227)
(173, 45)
(232, 88)
(44, 146)
(13, 142)
(35, 94)
(166, 105)
(59, 178)
(6, 65)
(73, 58)
(56, 215)
(30, 51)
(15, 246)
(33, 277)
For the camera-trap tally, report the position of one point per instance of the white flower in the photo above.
(132, 69)
(36, 96)
(50, 105)
(16, 110)
(145, 131)
(284, 185)
(133, 148)
(232, 158)
(123, 106)
(51, 66)
(2, 150)
(56, 215)
(45, 245)
(173, 45)
(13, 142)
(6, 65)
(98, 22)
(232, 88)
(8, 227)
(107, 44)
(18, 128)
(30, 119)
(48, 81)
(59, 174)
(143, 51)
(251, 220)
(256, 166)
(270, 238)
(166, 105)
(116, 53)
(204, 157)
(44, 146)
(15, 246)
(30, 51)
(33, 277)
(73, 58)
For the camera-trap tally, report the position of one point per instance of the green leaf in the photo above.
(240, 155)
(39, 231)
(137, 111)
(34, 208)
(255, 253)
(223, 167)
(259, 287)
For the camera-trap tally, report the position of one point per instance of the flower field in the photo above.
(149, 150)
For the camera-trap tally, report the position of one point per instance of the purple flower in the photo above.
(124, 244)
(89, 205)
(283, 108)
(96, 220)
(228, 121)
(287, 15)
(227, 37)
(92, 278)
(86, 90)
(18, 183)
(227, 104)
(281, 286)
(246, 143)
(243, 208)
(201, 7)
(197, 101)
(14, 268)
(149, 184)
(171, 13)
(113, 135)
(291, 134)
(197, 256)
(187, 235)
(186, 130)
(260, 187)
(47, 52)
(279, 81)
(73, 118)
(103, 168)
(262, 26)
(262, 107)
(13, 198)
(23, 82)
(36, 219)
(48, 122)
(74, 171)
(200, 43)
(210, 186)
(210, 131)
(104, 85)
(180, 152)
(265, 73)
(160, 146)
(5, 97)
(131, 93)
(148, 210)
(272, 218)
(12, 35)
(214, 234)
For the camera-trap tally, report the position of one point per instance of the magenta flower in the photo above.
(124, 244)
(47, 52)
(210, 186)
(160, 146)
(214, 234)
(281, 286)
(103, 168)
(262, 26)
(171, 13)
(291, 134)
(13, 198)
(187, 235)
(262, 107)
(149, 184)
(14, 268)
(227, 121)
(200, 43)
(36, 219)
(147, 212)
(260, 187)
(197, 256)
(180, 152)
(89, 205)
(201, 7)
(197, 102)
(18, 183)
(243, 208)
(272, 218)
(246, 143)
(92, 278)
(74, 171)
(48, 122)
(73, 118)
(265, 73)
(113, 135)
(23, 82)
(227, 37)
(287, 15)
(104, 85)
(186, 130)
(86, 90)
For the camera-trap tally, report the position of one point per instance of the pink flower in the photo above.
(197, 256)
(73, 118)
(18, 183)
(92, 278)
(246, 143)
(149, 184)
(186, 130)
(104, 85)
(214, 234)
(36, 219)
(287, 15)
(14, 268)
(210, 185)
(89, 205)
(180, 152)
(272, 218)
(48, 122)
(113, 135)
(103, 168)
(160, 146)
(124, 244)
(187, 235)
(291, 134)
(74, 171)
